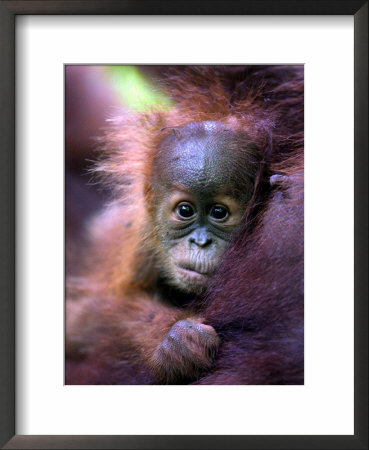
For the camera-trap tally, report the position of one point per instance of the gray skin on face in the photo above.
(201, 183)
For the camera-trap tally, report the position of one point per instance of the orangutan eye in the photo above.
(185, 210)
(219, 212)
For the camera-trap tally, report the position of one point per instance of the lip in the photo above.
(192, 272)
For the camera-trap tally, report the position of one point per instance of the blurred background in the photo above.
(93, 94)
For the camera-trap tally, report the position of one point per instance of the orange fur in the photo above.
(114, 310)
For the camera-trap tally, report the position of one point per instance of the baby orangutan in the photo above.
(155, 248)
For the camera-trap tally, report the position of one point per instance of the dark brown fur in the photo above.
(257, 305)
(116, 318)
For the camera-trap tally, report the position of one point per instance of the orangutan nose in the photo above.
(200, 237)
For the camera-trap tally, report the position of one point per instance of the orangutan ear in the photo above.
(174, 130)
(277, 179)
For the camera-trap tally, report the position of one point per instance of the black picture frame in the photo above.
(8, 11)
